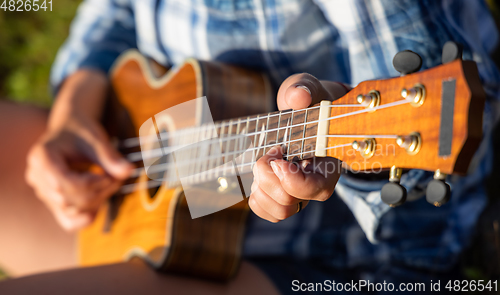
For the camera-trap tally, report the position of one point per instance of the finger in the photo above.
(83, 191)
(43, 164)
(57, 184)
(270, 183)
(257, 209)
(110, 160)
(314, 180)
(52, 197)
(107, 191)
(72, 220)
(302, 90)
(90, 197)
(272, 207)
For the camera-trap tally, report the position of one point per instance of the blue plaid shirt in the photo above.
(341, 40)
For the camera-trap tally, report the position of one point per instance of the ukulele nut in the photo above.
(365, 147)
(370, 101)
(411, 143)
(415, 95)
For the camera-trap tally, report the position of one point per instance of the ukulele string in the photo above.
(136, 156)
(396, 103)
(136, 141)
(129, 188)
(163, 167)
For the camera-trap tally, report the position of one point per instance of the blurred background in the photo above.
(29, 42)
(28, 45)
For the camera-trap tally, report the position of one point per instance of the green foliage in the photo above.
(3, 276)
(28, 44)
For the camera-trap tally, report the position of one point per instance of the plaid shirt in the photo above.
(341, 40)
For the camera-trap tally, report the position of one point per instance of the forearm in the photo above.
(83, 95)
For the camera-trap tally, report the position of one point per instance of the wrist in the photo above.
(82, 98)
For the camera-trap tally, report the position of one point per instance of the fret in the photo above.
(213, 134)
(303, 136)
(244, 146)
(215, 149)
(261, 139)
(255, 143)
(181, 158)
(311, 133)
(209, 135)
(250, 142)
(192, 153)
(227, 150)
(204, 151)
(264, 146)
(278, 132)
(285, 117)
(296, 133)
(289, 132)
(219, 151)
(233, 143)
(272, 123)
(243, 143)
(197, 148)
(237, 149)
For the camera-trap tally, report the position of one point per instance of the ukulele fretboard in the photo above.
(234, 146)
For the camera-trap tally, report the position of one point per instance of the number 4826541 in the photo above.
(26, 5)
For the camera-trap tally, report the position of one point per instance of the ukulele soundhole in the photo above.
(152, 191)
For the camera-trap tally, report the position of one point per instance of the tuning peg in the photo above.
(407, 62)
(393, 193)
(411, 143)
(438, 191)
(451, 52)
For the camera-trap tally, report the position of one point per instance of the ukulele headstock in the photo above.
(429, 120)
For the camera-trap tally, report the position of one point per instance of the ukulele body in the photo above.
(156, 225)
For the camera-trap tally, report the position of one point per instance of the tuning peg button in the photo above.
(451, 52)
(407, 62)
(393, 193)
(438, 191)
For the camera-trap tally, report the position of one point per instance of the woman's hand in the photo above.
(75, 136)
(280, 188)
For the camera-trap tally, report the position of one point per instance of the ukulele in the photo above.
(430, 120)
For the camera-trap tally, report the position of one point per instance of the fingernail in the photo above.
(305, 88)
(277, 170)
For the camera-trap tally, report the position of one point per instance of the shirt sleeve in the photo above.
(373, 32)
(100, 32)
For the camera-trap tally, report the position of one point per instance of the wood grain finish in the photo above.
(404, 119)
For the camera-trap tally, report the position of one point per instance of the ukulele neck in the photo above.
(294, 130)
(234, 146)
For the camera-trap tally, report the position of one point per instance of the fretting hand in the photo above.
(280, 188)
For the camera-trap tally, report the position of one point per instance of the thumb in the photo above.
(302, 90)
